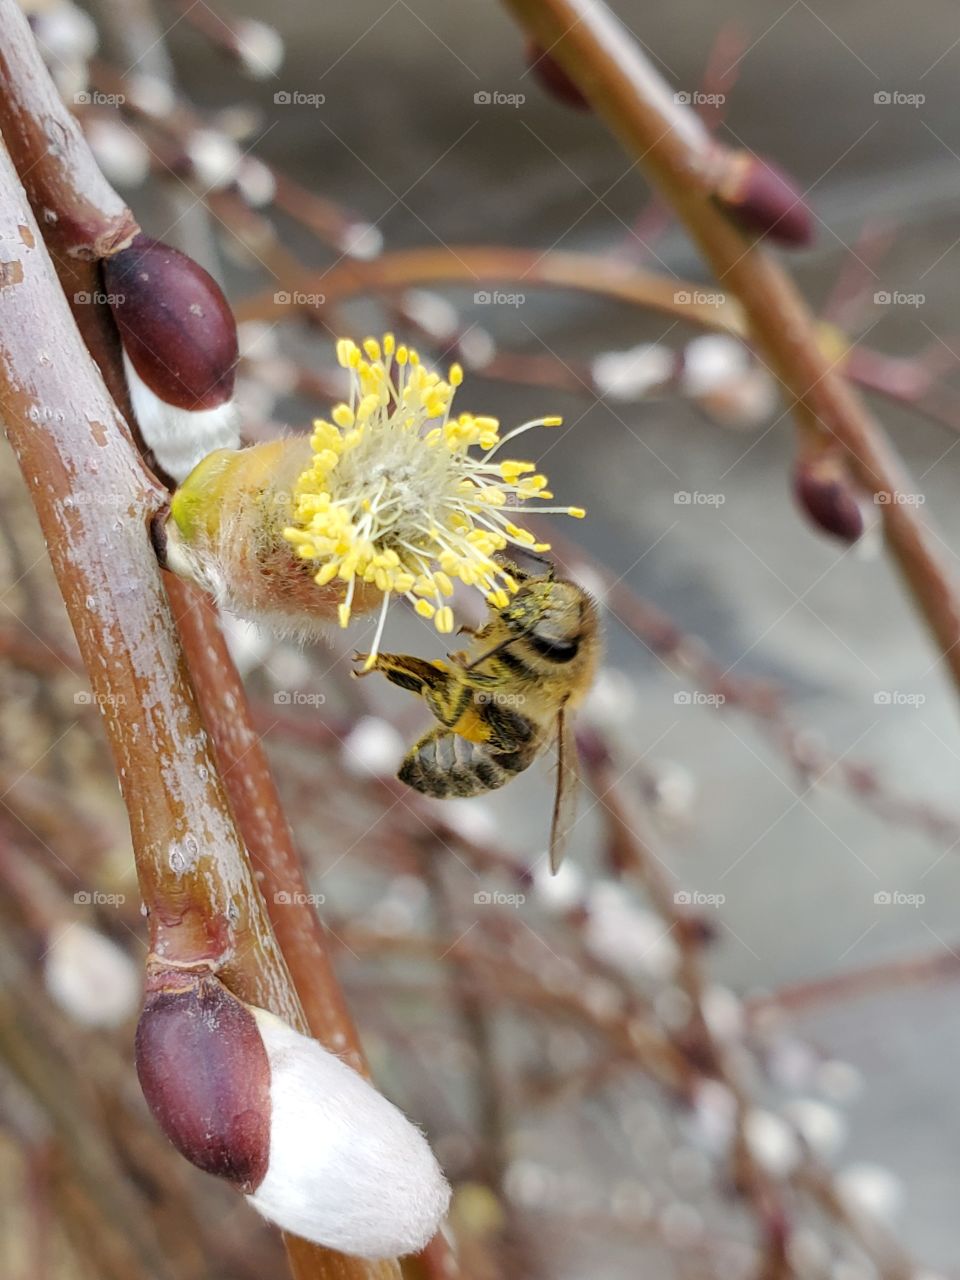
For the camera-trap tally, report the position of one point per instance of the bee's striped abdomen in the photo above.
(444, 764)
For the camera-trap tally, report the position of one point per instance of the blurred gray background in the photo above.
(401, 140)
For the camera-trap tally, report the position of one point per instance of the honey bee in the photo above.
(499, 704)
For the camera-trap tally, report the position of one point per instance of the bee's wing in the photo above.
(568, 786)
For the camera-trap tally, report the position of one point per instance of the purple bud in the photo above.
(824, 492)
(205, 1075)
(762, 197)
(176, 326)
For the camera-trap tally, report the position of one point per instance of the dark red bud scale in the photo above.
(205, 1075)
(551, 76)
(176, 325)
(824, 492)
(763, 198)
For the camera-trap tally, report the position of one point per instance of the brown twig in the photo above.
(481, 264)
(628, 93)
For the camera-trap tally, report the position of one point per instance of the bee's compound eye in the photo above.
(555, 650)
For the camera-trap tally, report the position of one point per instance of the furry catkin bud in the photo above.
(823, 491)
(179, 342)
(762, 197)
(316, 1149)
(90, 977)
(347, 1169)
(225, 532)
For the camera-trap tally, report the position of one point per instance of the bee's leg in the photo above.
(446, 695)
(415, 674)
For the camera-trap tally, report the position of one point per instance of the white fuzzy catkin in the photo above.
(179, 438)
(91, 978)
(347, 1169)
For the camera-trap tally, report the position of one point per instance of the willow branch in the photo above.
(481, 264)
(627, 92)
(73, 446)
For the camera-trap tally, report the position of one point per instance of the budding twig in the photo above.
(626, 90)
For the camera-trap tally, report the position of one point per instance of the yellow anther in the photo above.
(444, 620)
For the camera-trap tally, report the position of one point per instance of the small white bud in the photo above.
(91, 978)
(259, 48)
(215, 158)
(346, 1168)
(771, 1142)
(179, 438)
(839, 1081)
(871, 1189)
(723, 1012)
(363, 241)
(152, 95)
(626, 936)
(561, 892)
(711, 362)
(121, 155)
(470, 816)
(477, 348)
(256, 182)
(431, 312)
(66, 33)
(372, 748)
(633, 374)
(822, 1127)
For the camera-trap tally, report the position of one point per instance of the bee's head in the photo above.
(549, 615)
